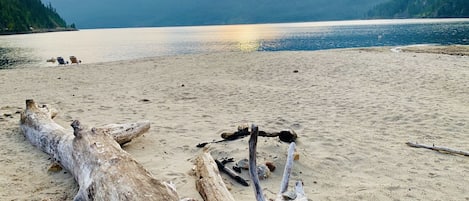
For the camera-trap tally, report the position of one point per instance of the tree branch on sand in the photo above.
(439, 149)
(94, 157)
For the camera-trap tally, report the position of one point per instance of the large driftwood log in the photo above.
(209, 182)
(101, 168)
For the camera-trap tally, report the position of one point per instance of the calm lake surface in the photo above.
(103, 45)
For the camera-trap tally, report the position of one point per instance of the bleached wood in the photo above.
(440, 149)
(101, 168)
(124, 133)
(300, 192)
(287, 170)
(252, 164)
(209, 182)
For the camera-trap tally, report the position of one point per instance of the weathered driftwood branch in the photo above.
(439, 149)
(287, 170)
(298, 194)
(101, 168)
(209, 182)
(124, 133)
(253, 164)
(285, 136)
(300, 191)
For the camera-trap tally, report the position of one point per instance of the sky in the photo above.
(150, 13)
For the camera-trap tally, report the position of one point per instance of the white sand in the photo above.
(352, 109)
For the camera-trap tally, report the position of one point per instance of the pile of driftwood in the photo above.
(298, 194)
(212, 188)
(104, 171)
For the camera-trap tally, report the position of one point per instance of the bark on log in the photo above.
(209, 182)
(439, 149)
(101, 168)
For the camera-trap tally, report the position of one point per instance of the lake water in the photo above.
(103, 45)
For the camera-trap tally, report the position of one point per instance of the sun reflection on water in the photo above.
(248, 38)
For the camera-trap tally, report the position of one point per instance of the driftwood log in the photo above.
(439, 149)
(101, 168)
(209, 182)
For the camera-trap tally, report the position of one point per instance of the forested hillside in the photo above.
(145, 13)
(25, 16)
(421, 9)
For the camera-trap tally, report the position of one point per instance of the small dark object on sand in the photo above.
(295, 71)
(270, 165)
(287, 136)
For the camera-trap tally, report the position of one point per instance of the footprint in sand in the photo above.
(296, 126)
(102, 107)
(177, 178)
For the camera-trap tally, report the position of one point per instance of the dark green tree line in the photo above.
(421, 9)
(20, 16)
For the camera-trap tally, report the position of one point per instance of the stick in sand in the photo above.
(252, 163)
(439, 149)
(288, 169)
(231, 173)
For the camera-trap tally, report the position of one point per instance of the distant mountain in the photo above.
(23, 16)
(421, 9)
(145, 13)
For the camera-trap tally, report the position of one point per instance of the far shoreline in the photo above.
(38, 31)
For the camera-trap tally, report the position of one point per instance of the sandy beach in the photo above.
(353, 110)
